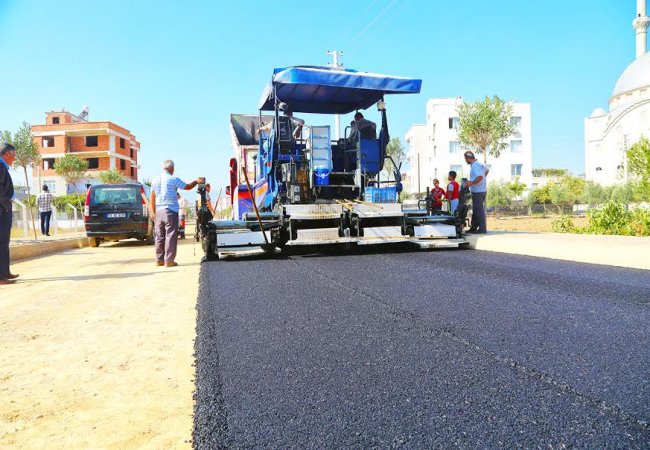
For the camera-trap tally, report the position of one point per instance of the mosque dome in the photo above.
(636, 76)
(598, 112)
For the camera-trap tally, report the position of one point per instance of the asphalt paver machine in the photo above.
(293, 184)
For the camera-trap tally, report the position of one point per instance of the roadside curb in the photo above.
(620, 251)
(25, 251)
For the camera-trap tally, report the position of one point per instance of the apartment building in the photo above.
(104, 145)
(434, 148)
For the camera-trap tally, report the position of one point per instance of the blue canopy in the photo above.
(324, 90)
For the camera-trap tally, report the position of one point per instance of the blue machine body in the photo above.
(324, 90)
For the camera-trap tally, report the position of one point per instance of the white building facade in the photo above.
(608, 135)
(434, 148)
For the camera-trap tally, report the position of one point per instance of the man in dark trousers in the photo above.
(164, 202)
(7, 158)
(44, 202)
(477, 184)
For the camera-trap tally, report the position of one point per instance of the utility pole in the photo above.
(335, 64)
(419, 190)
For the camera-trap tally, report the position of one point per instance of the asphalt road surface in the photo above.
(420, 350)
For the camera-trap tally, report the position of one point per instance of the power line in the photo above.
(375, 19)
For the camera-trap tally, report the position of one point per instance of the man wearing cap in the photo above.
(477, 184)
(164, 202)
(7, 158)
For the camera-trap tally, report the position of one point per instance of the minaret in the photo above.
(640, 24)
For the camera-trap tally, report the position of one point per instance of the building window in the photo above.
(55, 120)
(456, 168)
(598, 169)
(122, 142)
(122, 164)
(51, 185)
(48, 163)
(132, 172)
(435, 150)
(454, 146)
(131, 152)
(516, 123)
(91, 141)
(515, 146)
(515, 170)
(48, 141)
(93, 163)
(453, 123)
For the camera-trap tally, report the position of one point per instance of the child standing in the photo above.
(437, 193)
(453, 192)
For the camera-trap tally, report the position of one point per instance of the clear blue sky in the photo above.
(172, 72)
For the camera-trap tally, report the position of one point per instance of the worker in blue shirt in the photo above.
(477, 184)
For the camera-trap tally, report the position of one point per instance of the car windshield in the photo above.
(115, 195)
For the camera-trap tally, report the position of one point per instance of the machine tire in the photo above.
(210, 254)
(148, 239)
(209, 244)
(94, 242)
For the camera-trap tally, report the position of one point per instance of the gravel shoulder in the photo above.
(96, 350)
(529, 223)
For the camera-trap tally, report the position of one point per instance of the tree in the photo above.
(540, 195)
(516, 187)
(622, 193)
(593, 194)
(576, 186)
(147, 182)
(531, 199)
(550, 172)
(638, 159)
(498, 195)
(72, 169)
(112, 176)
(395, 150)
(27, 155)
(566, 191)
(484, 124)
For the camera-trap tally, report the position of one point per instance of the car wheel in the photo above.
(94, 242)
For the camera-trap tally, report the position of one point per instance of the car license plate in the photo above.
(116, 215)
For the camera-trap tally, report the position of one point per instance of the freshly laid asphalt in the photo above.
(420, 350)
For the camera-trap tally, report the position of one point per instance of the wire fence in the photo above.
(62, 220)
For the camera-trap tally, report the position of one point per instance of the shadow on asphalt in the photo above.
(106, 276)
(336, 251)
(125, 243)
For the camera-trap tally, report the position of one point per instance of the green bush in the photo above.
(30, 200)
(564, 225)
(611, 219)
(640, 222)
(614, 219)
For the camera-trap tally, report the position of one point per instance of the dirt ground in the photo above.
(96, 350)
(528, 223)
